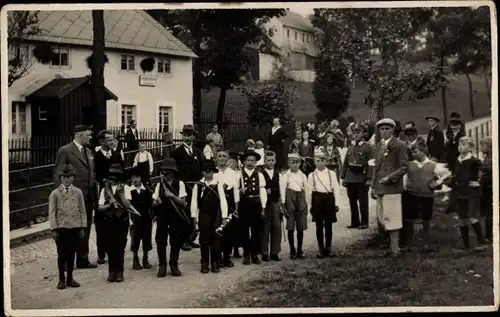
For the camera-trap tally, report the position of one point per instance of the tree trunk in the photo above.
(97, 71)
(443, 93)
(220, 105)
(197, 77)
(471, 96)
(487, 82)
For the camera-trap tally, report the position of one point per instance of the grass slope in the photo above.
(304, 107)
(363, 278)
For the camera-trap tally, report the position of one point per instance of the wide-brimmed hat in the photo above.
(432, 117)
(386, 121)
(169, 164)
(246, 154)
(209, 166)
(67, 171)
(116, 171)
(410, 128)
(188, 129)
(134, 171)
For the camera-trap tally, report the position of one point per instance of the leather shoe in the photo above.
(72, 283)
(87, 266)
(101, 261)
(204, 268)
(194, 245)
(162, 271)
(174, 270)
(215, 267)
(255, 260)
(275, 257)
(112, 277)
(119, 277)
(228, 263)
(61, 285)
(265, 258)
(246, 260)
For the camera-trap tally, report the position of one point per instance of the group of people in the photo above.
(228, 201)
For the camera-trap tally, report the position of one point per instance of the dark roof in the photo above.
(60, 87)
(296, 21)
(125, 30)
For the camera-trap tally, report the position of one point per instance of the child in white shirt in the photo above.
(143, 161)
(259, 149)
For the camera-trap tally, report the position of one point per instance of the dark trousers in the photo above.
(208, 222)
(230, 237)
(82, 258)
(358, 193)
(67, 246)
(187, 210)
(324, 234)
(163, 232)
(251, 225)
(100, 233)
(141, 230)
(272, 229)
(116, 241)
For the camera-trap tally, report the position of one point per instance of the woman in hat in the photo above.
(209, 209)
(171, 222)
(435, 139)
(68, 218)
(112, 199)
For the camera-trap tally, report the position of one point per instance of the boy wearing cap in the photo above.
(252, 205)
(116, 220)
(294, 195)
(68, 218)
(435, 139)
(454, 136)
(169, 200)
(209, 210)
(391, 164)
(356, 177)
(272, 222)
(324, 197)
(142, 226)
(229, 180)
(412, 137)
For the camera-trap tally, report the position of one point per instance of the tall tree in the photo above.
(384, 35)
(97, 71)
(220, 39)
(20, 26)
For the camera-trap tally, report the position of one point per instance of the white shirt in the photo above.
(262, 185)
(274, 129)
(78, 145)
(189, 148)
(295, 181)
(126, 192)
(106, 153)
(231, 179)
(270, 172)
(324, 181)
(220, 192)
(141, 157)
(137, 189)
(386, 142)
(261, 153)
(182, 191)
(464, 158)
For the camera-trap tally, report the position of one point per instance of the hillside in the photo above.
(304, 107)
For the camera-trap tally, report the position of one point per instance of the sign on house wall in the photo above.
(147, 80)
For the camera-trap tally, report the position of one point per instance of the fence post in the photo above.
(30, 203)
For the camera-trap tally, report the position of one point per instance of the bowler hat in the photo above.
(432, 117)
(246, 154)
(116, 171)
(67, 171)
(456, 121)
(188, 129)
(169, 164)
(209, 166)
(386, 121)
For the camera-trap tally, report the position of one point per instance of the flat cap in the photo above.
(386, 121)
(319, 154)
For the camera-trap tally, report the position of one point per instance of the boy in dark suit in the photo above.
(391, 164)
(356, 178)
(142, 226)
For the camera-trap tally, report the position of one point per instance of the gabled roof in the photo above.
(60, 87)
(124, 29)
(296, 21)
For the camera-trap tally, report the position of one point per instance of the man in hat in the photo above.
(252, 205)
(391, 164)
(412, 137)
(456, 133)
(435, 139)
(68, 218)
(81, 158)
(189, 161)
(103, 159)
(356, 177)
(454, 116)
(276, 142)
(169, 201)
(113, 197)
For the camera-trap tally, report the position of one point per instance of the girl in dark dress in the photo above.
(306, 151)
(487, 188)
(332, 154)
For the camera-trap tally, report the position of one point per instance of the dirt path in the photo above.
(34, 276)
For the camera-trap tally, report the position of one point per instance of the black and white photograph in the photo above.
(206, 158)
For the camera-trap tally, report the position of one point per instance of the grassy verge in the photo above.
(363, 278)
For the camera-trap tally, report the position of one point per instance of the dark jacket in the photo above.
(189, 166)
(102, 165)
(435, 143)
(355, 166)
(131, 139)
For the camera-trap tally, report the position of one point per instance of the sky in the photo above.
(304, 11)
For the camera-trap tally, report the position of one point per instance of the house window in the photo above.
(303, 37)
(20, 52)
(307, 38)
(288, 33)
(128, 114)
(60, 57)
(18, 126)
(42, 113)
(128, 62)
(164, 119)
(164, 66)
(296, 35)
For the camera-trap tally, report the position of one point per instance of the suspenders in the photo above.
(315, 175)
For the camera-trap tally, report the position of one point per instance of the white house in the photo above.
(160, 99)
(293, 34)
